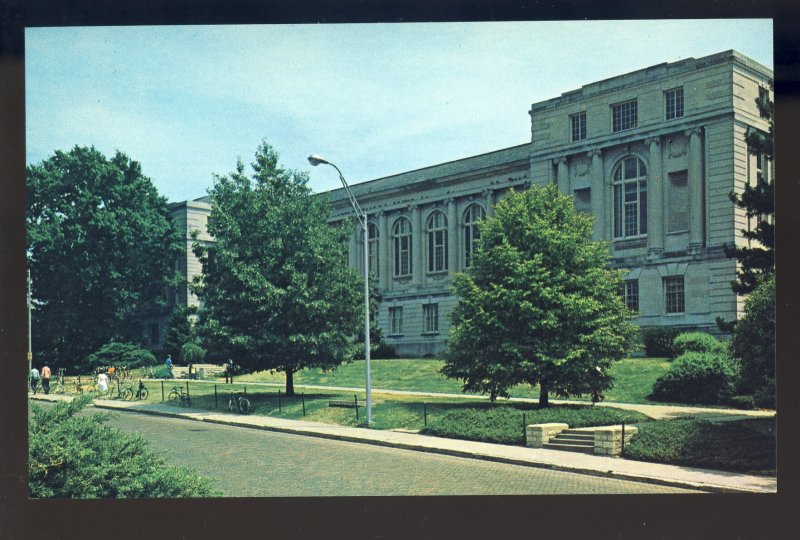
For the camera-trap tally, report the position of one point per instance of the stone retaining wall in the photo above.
(538, 434)
(608, 440)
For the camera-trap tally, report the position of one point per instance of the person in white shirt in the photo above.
(102, 382)
(34, 379)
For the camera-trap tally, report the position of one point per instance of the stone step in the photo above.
(569, 447)
(584, 441)
(579, 432)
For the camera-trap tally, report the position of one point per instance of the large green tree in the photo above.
(276, 288)
(757, 260)
(101, 248)
(539, 304)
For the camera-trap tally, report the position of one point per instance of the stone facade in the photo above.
(651, 154)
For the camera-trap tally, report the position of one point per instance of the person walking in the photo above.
(168, 364)
(34, 379)
(102, 382)
(46, 379)
(229, 371)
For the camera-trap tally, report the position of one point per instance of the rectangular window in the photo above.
(678, 202)
(583, 200)
(629, 291)
(578, 123)
(431, 315)
(763, 99)
(630, 209)
(396, 320)
(674, 102)
(624, 116)
(674, 294)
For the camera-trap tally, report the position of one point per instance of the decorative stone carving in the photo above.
(582, 167)
(676, 148)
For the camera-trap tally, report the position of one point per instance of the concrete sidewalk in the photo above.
(656, 473)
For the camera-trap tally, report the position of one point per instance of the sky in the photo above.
(375, 99)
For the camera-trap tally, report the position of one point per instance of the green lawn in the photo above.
(634, 378)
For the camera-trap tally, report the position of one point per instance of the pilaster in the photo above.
(598, 206)
(452, 236)
(696, 216)
(656, 195)
(562, 175)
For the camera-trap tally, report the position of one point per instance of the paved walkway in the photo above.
(670, 475)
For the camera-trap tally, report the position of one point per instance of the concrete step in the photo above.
(582, 432)
(569, 447)
(583, 441)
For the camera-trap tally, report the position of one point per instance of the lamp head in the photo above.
(316, 160)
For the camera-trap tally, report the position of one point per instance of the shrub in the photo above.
(697, 378)
(658, 341)
(753, 341)
(696, 342)
(764, 397)
(192, 353)
(76, 456)
(120, 354)
(743, 445)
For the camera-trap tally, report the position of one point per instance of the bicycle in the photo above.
(59, 387)
(141, 393)
(238, 403)
(150, 373)
(178, 396)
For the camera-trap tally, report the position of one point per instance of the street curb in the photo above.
(710, 488)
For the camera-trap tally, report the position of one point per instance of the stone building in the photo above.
(652, 155)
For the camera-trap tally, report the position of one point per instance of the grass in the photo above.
(633, 377)
(744, 445)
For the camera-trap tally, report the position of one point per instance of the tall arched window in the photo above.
(374, 266)
(630, 198)
(401, 233)
(473, 214)
(437, 242)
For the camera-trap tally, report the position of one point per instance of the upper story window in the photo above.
(623, 115)
(763, 99)
(630, 198)
(437, 242)
(674, 103)
(472, 233)
(402, 247)
(374, 266)
(578, 125)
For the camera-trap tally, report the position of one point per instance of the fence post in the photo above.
(279, 400)
(524, 430)
(425, 414)
(162, 390)
(355, 399)
(303, 399)
(118, 391)
(188, 397)
(622, 451)
(215, 396)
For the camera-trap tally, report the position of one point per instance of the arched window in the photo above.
(374, 266)
(401, 232)
(437, 242)
(630, 198)
(473, 214)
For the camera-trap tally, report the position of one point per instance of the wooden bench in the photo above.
(346, 403)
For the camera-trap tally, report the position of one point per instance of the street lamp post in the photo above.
(30, 348)
(362, 219)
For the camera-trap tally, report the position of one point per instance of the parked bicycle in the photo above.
(150, 373)
(128, 393)
(179, 396)
(238, 403)
(59, 387)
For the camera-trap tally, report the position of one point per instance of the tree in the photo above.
(276, 288)
(539, 304)
(180, 330)
(76, 456)
(101, 248)
(118, 354)
(757, 261)
(753, 340)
